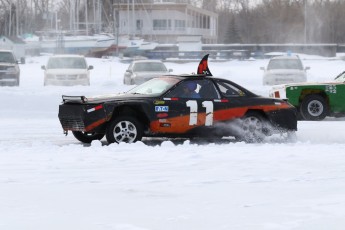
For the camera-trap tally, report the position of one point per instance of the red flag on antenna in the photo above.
(203, 66)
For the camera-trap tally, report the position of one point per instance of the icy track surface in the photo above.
(51, 182)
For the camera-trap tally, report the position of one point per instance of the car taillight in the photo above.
(276, 94)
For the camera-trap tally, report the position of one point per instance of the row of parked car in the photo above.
(60, 70)
(74, 70)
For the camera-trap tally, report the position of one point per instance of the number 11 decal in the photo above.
(193, 118)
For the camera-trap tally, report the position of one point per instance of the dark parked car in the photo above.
(165, 107)
(9, 69)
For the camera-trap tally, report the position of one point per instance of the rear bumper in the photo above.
(9, 79)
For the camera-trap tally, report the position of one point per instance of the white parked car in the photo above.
(143, 70)
(284, 69)
(67, 70)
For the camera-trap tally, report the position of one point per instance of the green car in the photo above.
(315, 101)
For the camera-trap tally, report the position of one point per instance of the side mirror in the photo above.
(262, 68)
(170, 70)
(307, 68)
(129, 71)
(43, 67)
(90, 67)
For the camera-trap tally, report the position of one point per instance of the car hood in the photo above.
(150, 74)
(7, 64)
(66, 71)
(285, 71)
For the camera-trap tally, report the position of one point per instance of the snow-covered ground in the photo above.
(49, 181)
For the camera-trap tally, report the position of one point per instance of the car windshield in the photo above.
(155, 86)
(66, 63)
(285, 64)
(149, 67)
(340, 77)
(6, 57)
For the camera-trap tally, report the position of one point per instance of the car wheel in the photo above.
(87, 137)
(124, 129)
(127, 81)
(252, 128)
(314, 108)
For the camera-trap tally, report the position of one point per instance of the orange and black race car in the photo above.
(178, 106)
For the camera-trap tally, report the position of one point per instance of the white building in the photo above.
(164, 21)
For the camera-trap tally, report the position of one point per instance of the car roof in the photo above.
(194, 76)
(67, 55)
(8, 51)
(147, 61)
(286, 57)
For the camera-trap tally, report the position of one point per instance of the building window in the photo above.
(139, 24)
(161, 24)
(180, 25)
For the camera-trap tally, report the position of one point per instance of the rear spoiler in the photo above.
(74, 99)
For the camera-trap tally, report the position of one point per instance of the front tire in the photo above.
(124, 129)
(314, 108)
(87, 137)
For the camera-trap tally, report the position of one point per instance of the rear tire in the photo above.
(124, 129)
(314, 108)
(253, 128)
(87, 137)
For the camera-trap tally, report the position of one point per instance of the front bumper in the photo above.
(79, 117)
(84, 82)
(9, 79)
(283, 79)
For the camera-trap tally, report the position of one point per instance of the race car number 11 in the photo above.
(193, 117)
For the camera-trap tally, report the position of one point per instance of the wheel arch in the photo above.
(131, 110)
(266, 119)
(257, 111)
(308, 92)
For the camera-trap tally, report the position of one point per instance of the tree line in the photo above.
(239, 21)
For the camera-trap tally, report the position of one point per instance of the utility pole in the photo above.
(10, 23)
(117, 16)
(305, 21)
(17, 17)
(86, 18)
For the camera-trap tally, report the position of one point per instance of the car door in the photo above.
(186, 114)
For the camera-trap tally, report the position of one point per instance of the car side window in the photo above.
(229, 90)
(208, 90)
(195, 89)
(185, 89)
